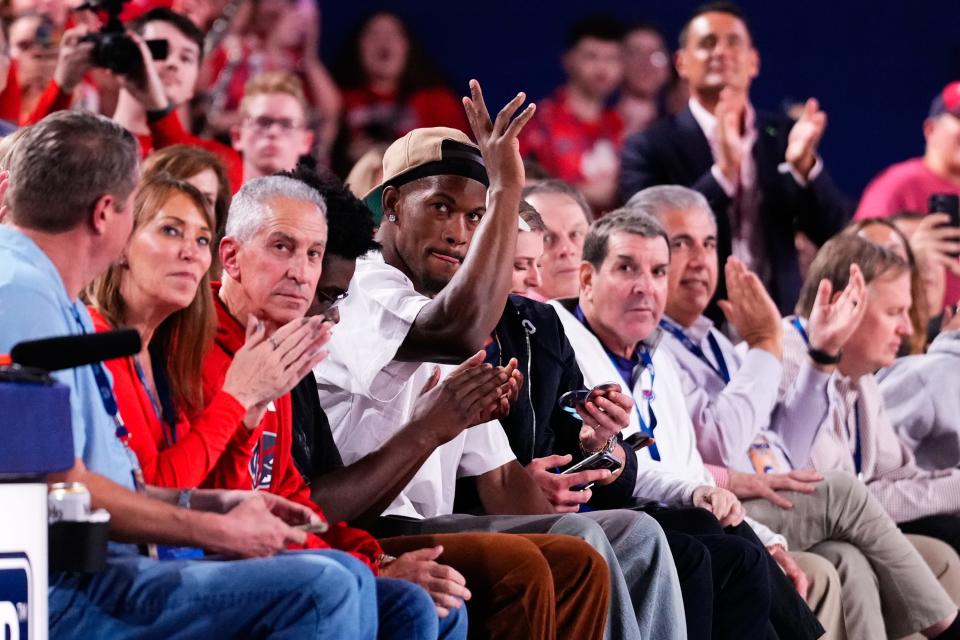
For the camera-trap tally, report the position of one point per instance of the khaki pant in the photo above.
(945, 564)
(823, 594)
(887, 589)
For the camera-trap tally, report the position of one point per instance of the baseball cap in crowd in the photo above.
(435, 151)
(947, 101)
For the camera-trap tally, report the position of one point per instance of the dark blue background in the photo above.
(874, 66)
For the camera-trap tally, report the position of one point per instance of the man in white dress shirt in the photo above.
(424, 298)
(613, 330)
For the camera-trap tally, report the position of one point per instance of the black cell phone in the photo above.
(599, 460)
(638, 441)
(948, 203)
(571, 400)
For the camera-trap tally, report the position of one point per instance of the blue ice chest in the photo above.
(35, 433)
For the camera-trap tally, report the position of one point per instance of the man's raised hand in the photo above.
(497, 139)
(833, 321)
(750, 309)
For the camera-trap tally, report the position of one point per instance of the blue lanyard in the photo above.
(169, 430)
(720, 368)
(795, 321)
(110, 406)
(647, 361)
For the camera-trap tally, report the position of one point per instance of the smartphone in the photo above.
(313, 527)
(638, 441)
(599, 460)
(948, 203)
(573, 399)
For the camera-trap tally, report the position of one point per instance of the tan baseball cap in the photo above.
(434, 151)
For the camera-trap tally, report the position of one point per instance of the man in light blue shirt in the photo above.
(70, 201)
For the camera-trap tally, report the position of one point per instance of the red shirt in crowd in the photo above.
(168, 131)
(263, 459)
(52, 99)
(907, 186)
(177, 456)
(165, 132)
(570, 148)
(383, 118)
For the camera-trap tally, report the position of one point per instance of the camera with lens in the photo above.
(115, 50)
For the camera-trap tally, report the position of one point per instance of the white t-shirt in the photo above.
(368, 396)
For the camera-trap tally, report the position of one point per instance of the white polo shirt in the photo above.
(368, 396)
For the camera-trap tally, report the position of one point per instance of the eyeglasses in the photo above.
(262, 124)
(327, 301)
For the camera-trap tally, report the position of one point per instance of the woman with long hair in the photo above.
(161, 287)
(203, 170)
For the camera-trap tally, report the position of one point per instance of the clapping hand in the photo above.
(750, 310)
(832, 322)
(805, 136)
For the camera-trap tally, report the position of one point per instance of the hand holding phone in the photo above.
(948, 203)
(572, 400)
(594, 462)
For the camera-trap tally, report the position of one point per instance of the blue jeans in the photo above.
(407, 613)
(315, 594)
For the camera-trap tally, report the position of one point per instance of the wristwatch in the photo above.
(824, 358)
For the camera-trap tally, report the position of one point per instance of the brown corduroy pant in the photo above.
(524, 586)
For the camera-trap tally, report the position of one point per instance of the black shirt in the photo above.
(314, 451)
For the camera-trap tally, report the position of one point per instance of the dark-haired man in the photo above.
(427, 298)
(575, 136)
(613, 328)
(485, 568)
(759, 171)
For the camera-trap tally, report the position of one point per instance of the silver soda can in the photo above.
(68, 501)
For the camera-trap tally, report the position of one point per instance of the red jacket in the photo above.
(52, 99)
(183, 458)
(263, 459)
(165, 132)
(168, 131)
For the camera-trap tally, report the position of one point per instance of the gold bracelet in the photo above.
(608, 447)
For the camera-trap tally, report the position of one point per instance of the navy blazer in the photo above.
(675, 151)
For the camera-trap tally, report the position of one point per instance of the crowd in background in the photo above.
(378, 319)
